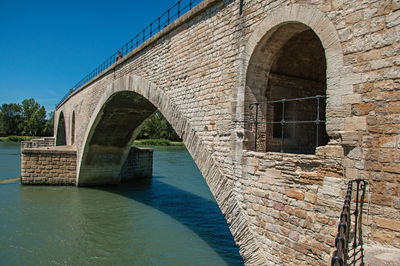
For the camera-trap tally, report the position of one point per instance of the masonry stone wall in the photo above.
(48, 166)
(44, 164)
(195, 72)
(139, 164)
(294, 201)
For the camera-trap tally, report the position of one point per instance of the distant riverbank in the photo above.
(17, 138)
(144, 142)
(157, 142)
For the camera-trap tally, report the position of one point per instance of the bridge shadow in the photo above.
(200, 215)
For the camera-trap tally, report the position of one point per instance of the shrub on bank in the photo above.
(16, 138)
(158, 142)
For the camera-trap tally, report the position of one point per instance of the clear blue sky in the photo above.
(48, 46)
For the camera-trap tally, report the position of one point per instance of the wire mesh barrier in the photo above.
(173, 13)
(349, 244)
(289, 122)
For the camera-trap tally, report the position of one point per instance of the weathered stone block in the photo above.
(310, 197)
(300, 213)
(387, 223)
(382, 236)
(355, 123)
(296, 194)
(349, 138)
(330, 151)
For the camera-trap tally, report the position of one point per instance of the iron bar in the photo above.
(292, 122)
(241, 7)
(341, 254)
(291, 99)
(256, 126)
(317, 123)
(356, 216)
(282, 124)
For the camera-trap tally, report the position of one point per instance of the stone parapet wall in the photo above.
(294, 202)
(39, 143)
(139, 164)
(48, 166)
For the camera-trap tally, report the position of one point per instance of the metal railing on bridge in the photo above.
(173, 13)
(349, 244)
(282, 122)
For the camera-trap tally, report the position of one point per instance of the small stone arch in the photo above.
(135, 89)
(61, 136)
(279, 26)
(72, 128)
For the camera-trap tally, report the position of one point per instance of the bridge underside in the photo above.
(110, 138)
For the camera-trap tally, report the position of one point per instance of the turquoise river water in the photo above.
(171, 219)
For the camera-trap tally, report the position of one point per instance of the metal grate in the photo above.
(283, 122)
(352, 254)
(173, 13)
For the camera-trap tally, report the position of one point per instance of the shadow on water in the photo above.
(200, 215)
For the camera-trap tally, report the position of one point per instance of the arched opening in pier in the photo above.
(73, 128)
(117, 124)
(61, 138)
(285, 92)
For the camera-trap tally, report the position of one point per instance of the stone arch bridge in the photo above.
(216, 68)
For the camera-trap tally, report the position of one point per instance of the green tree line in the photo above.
(25, 119)
(157, 127)
(29, 119)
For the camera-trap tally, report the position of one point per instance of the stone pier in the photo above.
(42, 163)
(48, 166)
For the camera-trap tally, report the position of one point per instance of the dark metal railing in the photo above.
(284, 122)
(349, 244)
(173, 13)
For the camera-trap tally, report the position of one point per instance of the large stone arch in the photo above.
(141, 88)
(337, 82)
(220, 186)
